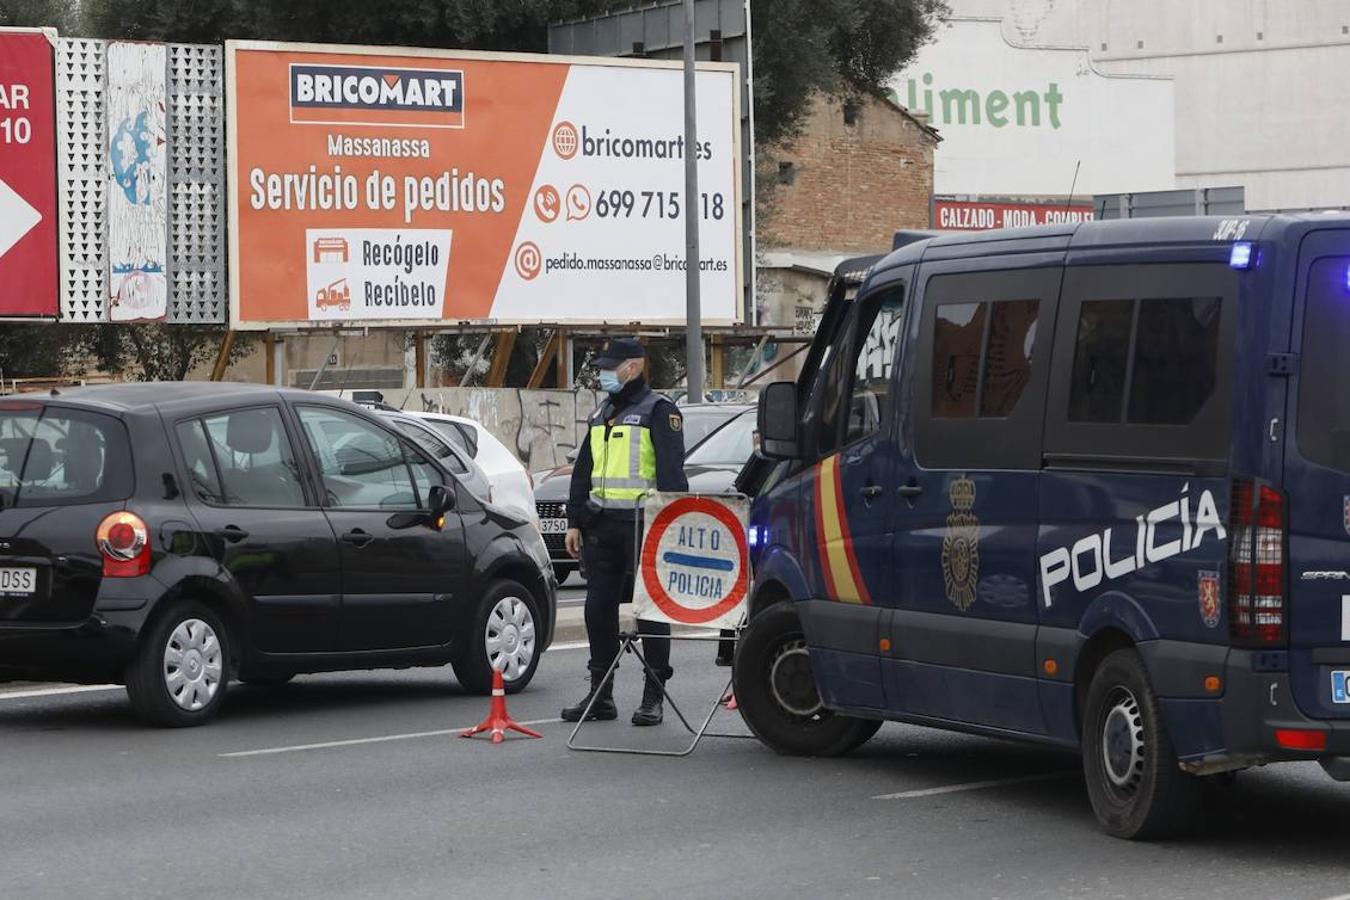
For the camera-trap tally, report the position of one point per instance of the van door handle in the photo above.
(232, 533)
(909, 491)
(871, 492)
(358, 537)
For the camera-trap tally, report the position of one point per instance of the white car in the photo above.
(511, 484)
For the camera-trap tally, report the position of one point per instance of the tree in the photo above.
(59, 14)
(152, 352)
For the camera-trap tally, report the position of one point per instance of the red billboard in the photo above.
(28, 268)
(983, 215)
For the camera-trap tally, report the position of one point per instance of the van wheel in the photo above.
(1133, 781)
(776, 691)
(181, 669)
(504, 632)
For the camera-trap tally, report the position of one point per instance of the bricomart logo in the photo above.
(377, 95)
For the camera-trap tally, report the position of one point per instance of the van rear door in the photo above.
(1317, 480)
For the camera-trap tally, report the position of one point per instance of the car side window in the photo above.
(362, 466)
(242, 458)
(434, 446)
(424, 475)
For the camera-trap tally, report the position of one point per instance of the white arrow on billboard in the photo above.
(17, 218)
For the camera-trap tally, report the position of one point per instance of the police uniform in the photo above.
(635, 444)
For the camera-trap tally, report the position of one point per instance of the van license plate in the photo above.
(18, 582)
(553, 526)
(1340, 687)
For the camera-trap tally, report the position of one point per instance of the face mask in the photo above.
(609, 380)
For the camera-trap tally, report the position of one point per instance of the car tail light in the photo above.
(124, 542)
(1300, 739)
(1257, 606)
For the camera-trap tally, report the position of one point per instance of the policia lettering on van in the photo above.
(1086, 485)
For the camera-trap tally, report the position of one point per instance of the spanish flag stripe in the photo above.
(850, 554)
(822, 538)
(841, 571)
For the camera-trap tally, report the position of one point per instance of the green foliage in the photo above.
(152, 352)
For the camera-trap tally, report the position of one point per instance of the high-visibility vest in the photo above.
(623, 462)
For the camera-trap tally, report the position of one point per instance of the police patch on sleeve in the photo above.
(676, 422)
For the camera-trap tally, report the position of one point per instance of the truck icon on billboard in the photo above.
(331, 249)
(336, 296)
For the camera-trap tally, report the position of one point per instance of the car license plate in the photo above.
(18, 582)
(1340, 687)
(553, 526)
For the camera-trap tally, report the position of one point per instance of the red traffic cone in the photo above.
(498, 720)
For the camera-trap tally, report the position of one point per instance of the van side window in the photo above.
(872, 370)
(1168, 376)
(1142, 364)
(982, 357)
(980, 377)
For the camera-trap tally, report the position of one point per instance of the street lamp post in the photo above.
(693, 312)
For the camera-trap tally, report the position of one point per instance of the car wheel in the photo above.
(1133, 781)
(181, 668)
(777, 695)
(505, 632)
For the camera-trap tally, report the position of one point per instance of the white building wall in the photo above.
(1259, 84)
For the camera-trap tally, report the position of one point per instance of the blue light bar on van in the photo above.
(1241, 256)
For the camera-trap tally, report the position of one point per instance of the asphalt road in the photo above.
(354, 785)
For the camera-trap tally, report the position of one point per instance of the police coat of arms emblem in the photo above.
(961, 545)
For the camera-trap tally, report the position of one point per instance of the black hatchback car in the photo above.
(173, 537)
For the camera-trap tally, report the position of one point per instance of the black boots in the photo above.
(650, 712)
(604, 708)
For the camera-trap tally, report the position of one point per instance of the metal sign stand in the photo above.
(629, 645)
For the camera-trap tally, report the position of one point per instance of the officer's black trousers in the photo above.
(608, 555)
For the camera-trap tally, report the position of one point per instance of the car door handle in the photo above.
(358, 537)
(909, 491)
(871, 492)
(232, 533)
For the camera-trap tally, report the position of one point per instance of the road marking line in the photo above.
(52, 692)
(272, 751)
(973, 786)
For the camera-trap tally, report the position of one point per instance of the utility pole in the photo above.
(693, 307)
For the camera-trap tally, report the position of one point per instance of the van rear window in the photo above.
(51, 456)
(1324, 379)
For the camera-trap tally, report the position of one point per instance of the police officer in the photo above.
(635, 444)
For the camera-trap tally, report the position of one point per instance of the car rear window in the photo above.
(54, 456)
(1324, 377)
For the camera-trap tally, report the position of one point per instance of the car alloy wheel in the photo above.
(193, 664)
(510, 637)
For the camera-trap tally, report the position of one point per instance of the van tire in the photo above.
(509, 600)
(147, 676)
(1136, 788)
(777, 695)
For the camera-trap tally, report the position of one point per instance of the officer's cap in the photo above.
(618, 351)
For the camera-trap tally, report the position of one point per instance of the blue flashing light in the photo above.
(1347, 279)
(1241, 257)
(752, 533)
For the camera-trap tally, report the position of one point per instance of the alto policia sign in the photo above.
(391, 186)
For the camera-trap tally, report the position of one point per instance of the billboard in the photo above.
(1035, 121)
(399, 186)
(138, 181)
(28, 258)
(983, 214)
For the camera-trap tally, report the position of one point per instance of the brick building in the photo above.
(858, 172)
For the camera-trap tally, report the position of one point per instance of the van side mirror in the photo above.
(440, 500)
(778, 422)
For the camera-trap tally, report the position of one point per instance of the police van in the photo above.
(1086, 485)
